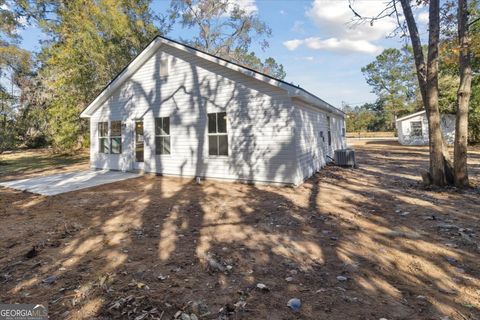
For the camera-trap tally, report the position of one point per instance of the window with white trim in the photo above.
(162, 135)
(416, 129)
(110, 141)
(217, 134)
(103, 145)
(115, 137)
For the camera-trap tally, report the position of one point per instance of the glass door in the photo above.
(139, 141)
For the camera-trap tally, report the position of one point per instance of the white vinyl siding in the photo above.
(413, 129)
(260, 121)
(270, 137)
(319, 134)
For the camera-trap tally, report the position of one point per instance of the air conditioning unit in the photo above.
(345, 158)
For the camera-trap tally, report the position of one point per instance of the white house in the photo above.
(413, 128)
(175, 110)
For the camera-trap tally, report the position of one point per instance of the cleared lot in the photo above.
(360, 244)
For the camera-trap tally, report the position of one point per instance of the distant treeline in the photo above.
(392, 78)
(86, 43)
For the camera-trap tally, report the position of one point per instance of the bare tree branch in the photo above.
(471, 23)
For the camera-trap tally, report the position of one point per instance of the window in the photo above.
(103, 137)
(162, 135)
(329, 133)
(116, 137)
(164, 67)
(110, 143)
(416, 128)
(139, 141)
(217, 134)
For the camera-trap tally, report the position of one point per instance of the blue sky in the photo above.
(320, 50)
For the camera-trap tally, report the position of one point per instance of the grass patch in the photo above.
(37, 160)
(375, 134)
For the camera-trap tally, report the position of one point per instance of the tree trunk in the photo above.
(463, 97)
(417, 49)
(427, 75)
(437, 161)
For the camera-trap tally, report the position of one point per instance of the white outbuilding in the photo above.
(176, 110)
(413, 128)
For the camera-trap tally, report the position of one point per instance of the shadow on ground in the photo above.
(360, 244)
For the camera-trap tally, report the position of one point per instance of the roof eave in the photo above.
(410, 116)
(151, 48)
(317, 102)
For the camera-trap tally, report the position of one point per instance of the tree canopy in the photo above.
(392, 78)
(226, 30)
(87, 43)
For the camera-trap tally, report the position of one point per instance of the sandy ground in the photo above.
(368, 243)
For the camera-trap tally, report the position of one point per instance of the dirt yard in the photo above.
(369, 243)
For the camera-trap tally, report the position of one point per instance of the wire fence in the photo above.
(369, 134)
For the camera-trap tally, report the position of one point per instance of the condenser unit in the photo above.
(345, 158)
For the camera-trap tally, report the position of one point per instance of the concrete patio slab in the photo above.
(65, 182)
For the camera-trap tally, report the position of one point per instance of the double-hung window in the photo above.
(110, 141)
(416, 128)
(162, 135)
(217, 134)
(116, 137)
(103, 142)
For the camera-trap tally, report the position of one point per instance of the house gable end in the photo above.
(154, 46)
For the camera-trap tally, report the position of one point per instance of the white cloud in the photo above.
(282, 12)
(334, 16)
(423, 17)
(23, 21)
(334, 19)
(293, 44)
(249, 6)
(308, 58)
(334, 44)
(342, 45)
